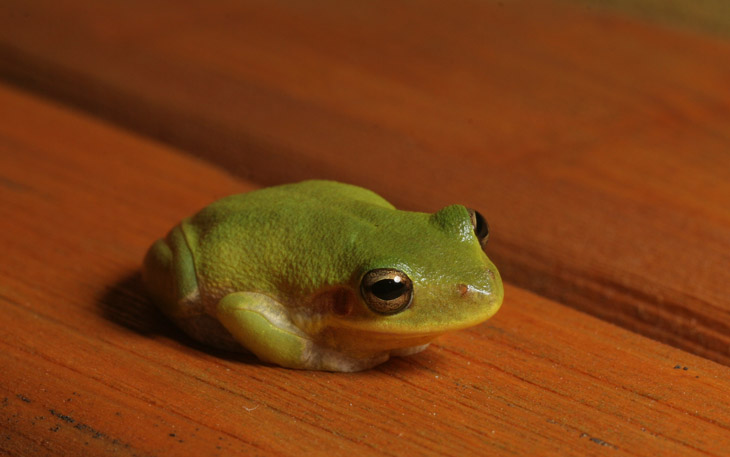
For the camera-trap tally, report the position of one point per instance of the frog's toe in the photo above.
(402, 352)
(328, 360)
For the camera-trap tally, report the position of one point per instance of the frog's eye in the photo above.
(481, 228)
(386, 290)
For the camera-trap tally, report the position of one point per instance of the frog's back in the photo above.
(284, 240)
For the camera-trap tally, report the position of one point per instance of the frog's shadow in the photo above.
(126, 304)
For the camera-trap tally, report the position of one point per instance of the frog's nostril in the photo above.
(463, 289)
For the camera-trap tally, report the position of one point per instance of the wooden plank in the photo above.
(596, 145)
(90, 368)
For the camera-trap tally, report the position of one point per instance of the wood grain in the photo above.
(596, 145)
(90, 368)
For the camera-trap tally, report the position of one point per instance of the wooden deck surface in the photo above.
(596, 145)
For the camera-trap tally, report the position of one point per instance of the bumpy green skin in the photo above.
(277, 272)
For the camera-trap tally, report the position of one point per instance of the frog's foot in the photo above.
(262, 325)
(408, 351)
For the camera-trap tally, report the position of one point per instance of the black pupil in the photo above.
(388, 289)
(481, 229)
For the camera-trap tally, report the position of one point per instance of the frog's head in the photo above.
(422, 275)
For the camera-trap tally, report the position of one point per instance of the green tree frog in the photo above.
(323, 275)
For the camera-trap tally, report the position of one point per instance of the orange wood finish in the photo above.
(89, 367)
(596, 145)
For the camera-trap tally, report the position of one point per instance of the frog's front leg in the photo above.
(262, 325)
